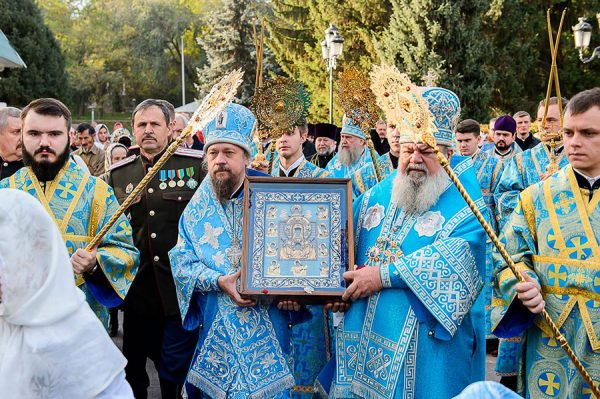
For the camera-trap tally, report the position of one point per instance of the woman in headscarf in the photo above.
(52, 345)
(113, 154)
(103, 135)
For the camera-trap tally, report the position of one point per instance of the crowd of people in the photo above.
(429, 294)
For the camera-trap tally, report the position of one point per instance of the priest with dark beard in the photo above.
(79, 203)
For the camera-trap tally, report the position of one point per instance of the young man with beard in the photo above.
(151, 325)
(79, 203)
(352, 151)
(365, 178)
(243, 347)
(291, 161)
(11, 158)
(325, 144)
(553, 238)
(417, 314)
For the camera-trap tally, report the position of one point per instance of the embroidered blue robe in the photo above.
(339, 170)
(305, 169)
(524, 170)
(242, 352)
(552, 236)
(81, 204)
(488, 166)
(365, 178)
(423, 335)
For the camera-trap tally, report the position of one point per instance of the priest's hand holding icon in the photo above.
(530, 294)
(83, 261)
(337, 306)
(362, 282)
(228, 284)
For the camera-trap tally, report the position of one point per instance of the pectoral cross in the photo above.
(234, 253)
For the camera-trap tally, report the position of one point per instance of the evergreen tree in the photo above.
(21, 22)
(521, 51)
(297, 28)
(229, 44)
(444, 37)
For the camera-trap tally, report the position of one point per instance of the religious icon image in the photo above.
(324, 271)
(323, 249)
(272, 230)
(274, 269)
(323, 233)
(299, 269)
(322, 213)
(272, 212)
(271, 249)
(297, 236)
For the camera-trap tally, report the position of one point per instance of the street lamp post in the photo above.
(582, 33)
(332, 48)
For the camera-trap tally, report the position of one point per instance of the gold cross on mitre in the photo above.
(430, 79)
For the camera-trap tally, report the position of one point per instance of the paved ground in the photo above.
(154, 390)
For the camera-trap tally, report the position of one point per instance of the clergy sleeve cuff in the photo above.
(390, 278)
(384, 273)
(208, 281)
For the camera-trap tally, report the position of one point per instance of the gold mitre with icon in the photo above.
(402, 103)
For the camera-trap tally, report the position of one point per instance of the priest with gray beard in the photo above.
(417, 314)
(352, 152)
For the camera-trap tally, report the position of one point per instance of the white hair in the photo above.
(417, 194)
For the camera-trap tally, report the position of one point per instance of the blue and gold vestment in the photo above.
(423, 335)
(552, 236)
(338, 170)
(305, 170)
(524, 170)
(81, 204)
(365, 178)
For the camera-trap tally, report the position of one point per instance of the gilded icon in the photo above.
(274, 269)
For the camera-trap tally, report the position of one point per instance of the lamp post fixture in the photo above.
(331, 49)
(582, 33)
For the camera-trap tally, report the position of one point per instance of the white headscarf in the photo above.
(51, 343)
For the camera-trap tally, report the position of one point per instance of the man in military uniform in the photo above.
(10, 137)
(152, 326)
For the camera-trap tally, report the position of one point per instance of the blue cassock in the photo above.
(338, 170)
(523, 170)
(423, 335)
(488, 167)
(366, 178)
(242, 352)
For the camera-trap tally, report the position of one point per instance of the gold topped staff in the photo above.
(259, 43)
(359, 104)
(402, 99)
(279, 105)
(214, 102)
(554, 137)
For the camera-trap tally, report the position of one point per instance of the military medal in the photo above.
(191, 183)
(162, 178)
(171, 174)
(129, 188)
(180, 176)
